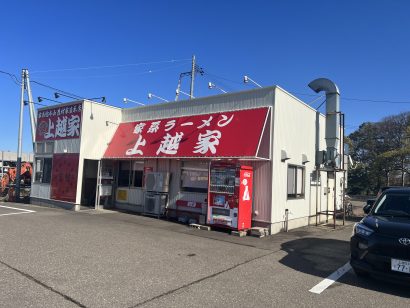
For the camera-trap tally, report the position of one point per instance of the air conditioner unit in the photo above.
(155, 204)
(157, 181)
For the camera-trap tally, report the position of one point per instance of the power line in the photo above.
(115, 75)
(13, 77)
(359, 99)
(223, 78)
(55, 89)
(108, 66)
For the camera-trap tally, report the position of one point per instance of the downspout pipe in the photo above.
(332, 135)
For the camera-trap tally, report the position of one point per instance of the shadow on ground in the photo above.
(321, 257)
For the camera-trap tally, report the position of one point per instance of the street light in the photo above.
(57, 95)
(177, 91)
(246, 79)
(150, 95)
(40, 99)
(126, 100)
(212, 86)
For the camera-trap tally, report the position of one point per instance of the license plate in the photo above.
(400, 266)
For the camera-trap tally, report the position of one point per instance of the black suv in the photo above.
(380, 244)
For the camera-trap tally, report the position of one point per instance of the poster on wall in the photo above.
(223, 134)
(60, 122)
(64, 177)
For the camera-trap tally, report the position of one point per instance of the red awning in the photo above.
(224, 134)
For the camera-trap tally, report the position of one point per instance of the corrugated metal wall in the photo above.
(175, 170)
(40, 190)
(227, 102)
(67, 146)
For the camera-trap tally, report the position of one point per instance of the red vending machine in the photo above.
(230, 196)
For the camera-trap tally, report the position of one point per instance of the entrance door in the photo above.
(90, 173)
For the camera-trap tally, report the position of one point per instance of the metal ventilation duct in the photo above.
(332, 119)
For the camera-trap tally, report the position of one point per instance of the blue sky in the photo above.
(361, 45)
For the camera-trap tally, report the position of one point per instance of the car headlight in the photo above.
(361, 229)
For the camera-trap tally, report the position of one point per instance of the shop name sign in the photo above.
(225, 134)
(59, 122)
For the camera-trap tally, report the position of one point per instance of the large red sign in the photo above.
(64, 177)
(62, 122)
(224, 134)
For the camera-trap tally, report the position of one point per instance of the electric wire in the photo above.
(55, 89)
(13, 77)
(358, 99)
(109, 66)
(16, 81)
(115, 75)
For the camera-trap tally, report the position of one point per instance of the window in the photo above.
(137, 173)
(194, 177)
(128, 177)
(124, 174)
(296, 187)
(40, 147)
(49, 147)
(315, 178)
(43, 169)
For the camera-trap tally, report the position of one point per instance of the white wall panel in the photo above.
(294, 132)
(136, 196)
(40, 191)
(67, 146)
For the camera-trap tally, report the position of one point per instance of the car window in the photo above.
(393, 204)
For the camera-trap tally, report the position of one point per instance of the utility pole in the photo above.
(33, 117)
(20, 136)
(193, 71)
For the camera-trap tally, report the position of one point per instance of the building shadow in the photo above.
(321, 257)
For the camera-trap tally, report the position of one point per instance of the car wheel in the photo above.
(360, 273)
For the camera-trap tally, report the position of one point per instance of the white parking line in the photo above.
(324, 284)
(22, 211)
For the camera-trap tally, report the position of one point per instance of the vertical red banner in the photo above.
(64, 177)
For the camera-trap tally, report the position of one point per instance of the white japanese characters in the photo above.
(60, 123)
(140, 142)
(207, 141)
(170, 144)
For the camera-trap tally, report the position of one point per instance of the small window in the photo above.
(49, 147)
(40, 147)
(137, 173)
(194, 177)
(43, 170)
(124, 174)
(138, 176)
(296, 187)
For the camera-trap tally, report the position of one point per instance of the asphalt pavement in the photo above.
(59, 258)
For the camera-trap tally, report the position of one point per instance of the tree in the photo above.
(380, 149)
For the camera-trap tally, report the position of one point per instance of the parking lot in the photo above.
(58, 258)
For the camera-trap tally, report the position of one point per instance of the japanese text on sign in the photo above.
(224, 134)
(59, 123)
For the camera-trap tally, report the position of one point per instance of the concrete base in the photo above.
(54, 203)
(239, 233)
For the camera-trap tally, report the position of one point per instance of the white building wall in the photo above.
(99, 123)
(294, 132)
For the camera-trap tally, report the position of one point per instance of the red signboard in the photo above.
(64, 177)
(224, 134)
(56, 123)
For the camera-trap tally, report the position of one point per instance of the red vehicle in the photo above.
(8, 180)
(230, 196)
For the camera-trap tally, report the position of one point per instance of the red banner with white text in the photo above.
(223, 134)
